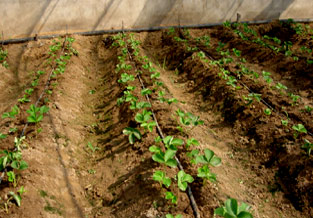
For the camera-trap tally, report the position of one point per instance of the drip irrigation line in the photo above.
(157, 28)
(36, 103)
(180, 167)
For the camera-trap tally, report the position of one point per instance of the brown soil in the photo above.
(262, 163)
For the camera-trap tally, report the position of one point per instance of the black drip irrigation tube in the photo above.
(180, 167)
(36, 103)
(101, 32)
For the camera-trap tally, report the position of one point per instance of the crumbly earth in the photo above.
(262, 163)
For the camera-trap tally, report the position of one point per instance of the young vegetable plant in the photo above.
(170, 196)
(308, 146)
(14, 111)
(36, 115)
(299, 128)
(161, 177)
(132, 134)
(183, 179)
(166, 157)
(233, 210)
(268, 111)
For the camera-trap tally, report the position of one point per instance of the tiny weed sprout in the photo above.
(308, 146)
(183, 180)
(294, 98)
(280, 86)
(14, 111)
(132, 134)
(166, 157)
(233, 210)
(170, 196)
(161, 177)
(268, 111)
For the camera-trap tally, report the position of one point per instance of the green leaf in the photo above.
(23, 165)
(154, 149)
(244, 214)
(158, 157)
(16, 197)
(171, 163)
(3, 136)
(169, 154)
(183, 179)
(219, 211)
(158, 176)
(231, 206)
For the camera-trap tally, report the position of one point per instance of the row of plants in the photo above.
(11, 160)
(278, 46)
(234, 79)
(166, 154)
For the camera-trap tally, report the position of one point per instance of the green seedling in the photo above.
(14, 111)
(268, 111)
(132, 134)
(308, 109)
(125, 77)
(149, 126)
(171, 100)
(248, 100)
(146, 91)
(92, 91)
(161, 177)
(143, 117)
(294, 98)
(29, 91)
(284, 122)
(183, 180)
(208, 158)
(280, 86)
(24, 99)
(17, 197)
(191, 142)
(227, 24)
(171, 143)
(308, 146)
(255, 96)
(170, 196)
(36, 113)
(128, 96)
(139, 105)
(237, 52)
(92, 148)
(205, 173)
(166, 157)
(299, 129)
(12, 159)
(12, 178)
(155, 75)
(158, 83)
(2, 136)
(233, 210)
(309, 61)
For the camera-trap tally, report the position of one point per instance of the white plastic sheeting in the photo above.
(24, 18)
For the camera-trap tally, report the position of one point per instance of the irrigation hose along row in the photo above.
(36, 103)
(180, 167)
